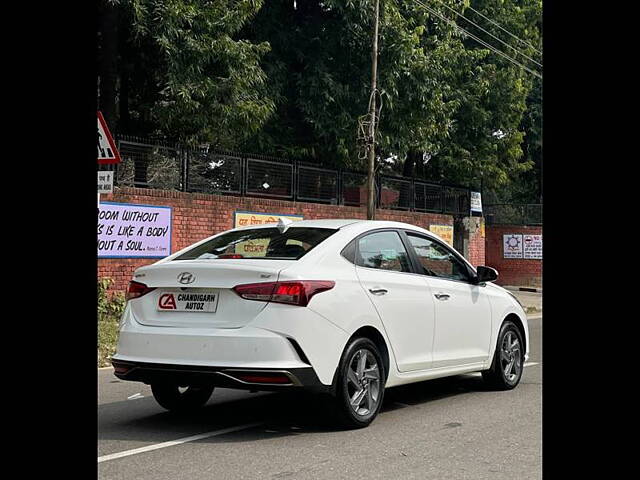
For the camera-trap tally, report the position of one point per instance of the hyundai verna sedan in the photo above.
(341, 307)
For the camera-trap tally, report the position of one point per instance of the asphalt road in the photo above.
(441, 429)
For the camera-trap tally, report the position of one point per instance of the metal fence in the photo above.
(513, 214)
(149, 164)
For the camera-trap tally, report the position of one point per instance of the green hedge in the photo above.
(110, 308)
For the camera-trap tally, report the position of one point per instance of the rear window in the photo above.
(267, 243)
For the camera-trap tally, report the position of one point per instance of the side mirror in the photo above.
(486, 274)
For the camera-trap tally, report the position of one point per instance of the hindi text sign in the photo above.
(476, 202)
(533, 246)
(257, 248)
(105, 181)
(443, 231)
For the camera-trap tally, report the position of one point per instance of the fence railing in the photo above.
(513, 214)
(149, 164)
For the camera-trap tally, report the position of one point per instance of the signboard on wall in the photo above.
(133, 231)
(246, 219)
(257, 248)
(512, 245)
(476, 202)
(443, 231)
(533, 246)
(105, 181)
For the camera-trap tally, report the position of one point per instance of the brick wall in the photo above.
(197, 216)
(512, 271)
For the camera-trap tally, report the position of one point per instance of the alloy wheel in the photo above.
(363, 382)
(510, 357)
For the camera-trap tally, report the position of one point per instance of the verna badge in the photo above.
(186, 277)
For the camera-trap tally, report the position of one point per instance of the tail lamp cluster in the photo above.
(292, 293)
(137, 289)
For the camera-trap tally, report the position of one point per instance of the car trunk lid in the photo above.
(199, 293)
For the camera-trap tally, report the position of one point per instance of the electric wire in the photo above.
(482, 42)
(502, 28)
(487, 32)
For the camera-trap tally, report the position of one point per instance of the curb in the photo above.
(524, 289)
(530, 289)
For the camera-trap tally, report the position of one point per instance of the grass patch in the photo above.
(107, 340)
(110, 308)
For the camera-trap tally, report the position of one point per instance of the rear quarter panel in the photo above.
(346, 305)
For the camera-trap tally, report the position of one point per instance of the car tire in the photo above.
(508, 360)
(359, 388)
(171, 397)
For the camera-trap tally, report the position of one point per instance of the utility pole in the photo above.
(371, 205)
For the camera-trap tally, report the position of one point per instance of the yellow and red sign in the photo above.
(443, 231)
(246, 219)
(257, 248)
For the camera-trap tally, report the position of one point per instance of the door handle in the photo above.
(442, 296)
(378, 291)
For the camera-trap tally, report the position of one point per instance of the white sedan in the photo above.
(342, 307)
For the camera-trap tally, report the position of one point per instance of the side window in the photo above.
(437, 260)
(349, 252)
(383, 250)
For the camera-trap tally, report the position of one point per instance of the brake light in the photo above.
(230, 255)
(291, 293)
(136, 290)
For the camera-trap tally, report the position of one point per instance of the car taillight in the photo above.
(137, 289)
(230, 255)
(292, 293)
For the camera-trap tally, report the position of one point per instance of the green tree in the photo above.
(292, 78)
(443, 96)
(183, 73)
(486, 139)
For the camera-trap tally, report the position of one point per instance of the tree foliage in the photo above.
(292, 78)
(195, 80)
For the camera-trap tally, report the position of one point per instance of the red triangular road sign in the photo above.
(107, 151)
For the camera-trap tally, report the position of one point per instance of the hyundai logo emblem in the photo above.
(186, 277)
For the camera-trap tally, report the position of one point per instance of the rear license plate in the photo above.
(188, 302)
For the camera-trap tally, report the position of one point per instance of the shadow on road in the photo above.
(280, 414)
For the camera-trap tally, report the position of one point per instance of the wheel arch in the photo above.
(373, 334)
(520, 325)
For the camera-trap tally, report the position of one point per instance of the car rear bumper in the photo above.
(290, 339)
(239, 378)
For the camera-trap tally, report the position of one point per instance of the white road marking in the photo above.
(201, 436)
(179, 441)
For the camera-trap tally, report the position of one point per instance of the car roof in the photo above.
(354, 223)
(320, 223)
(340, 223)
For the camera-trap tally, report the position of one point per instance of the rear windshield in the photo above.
(267, 243)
